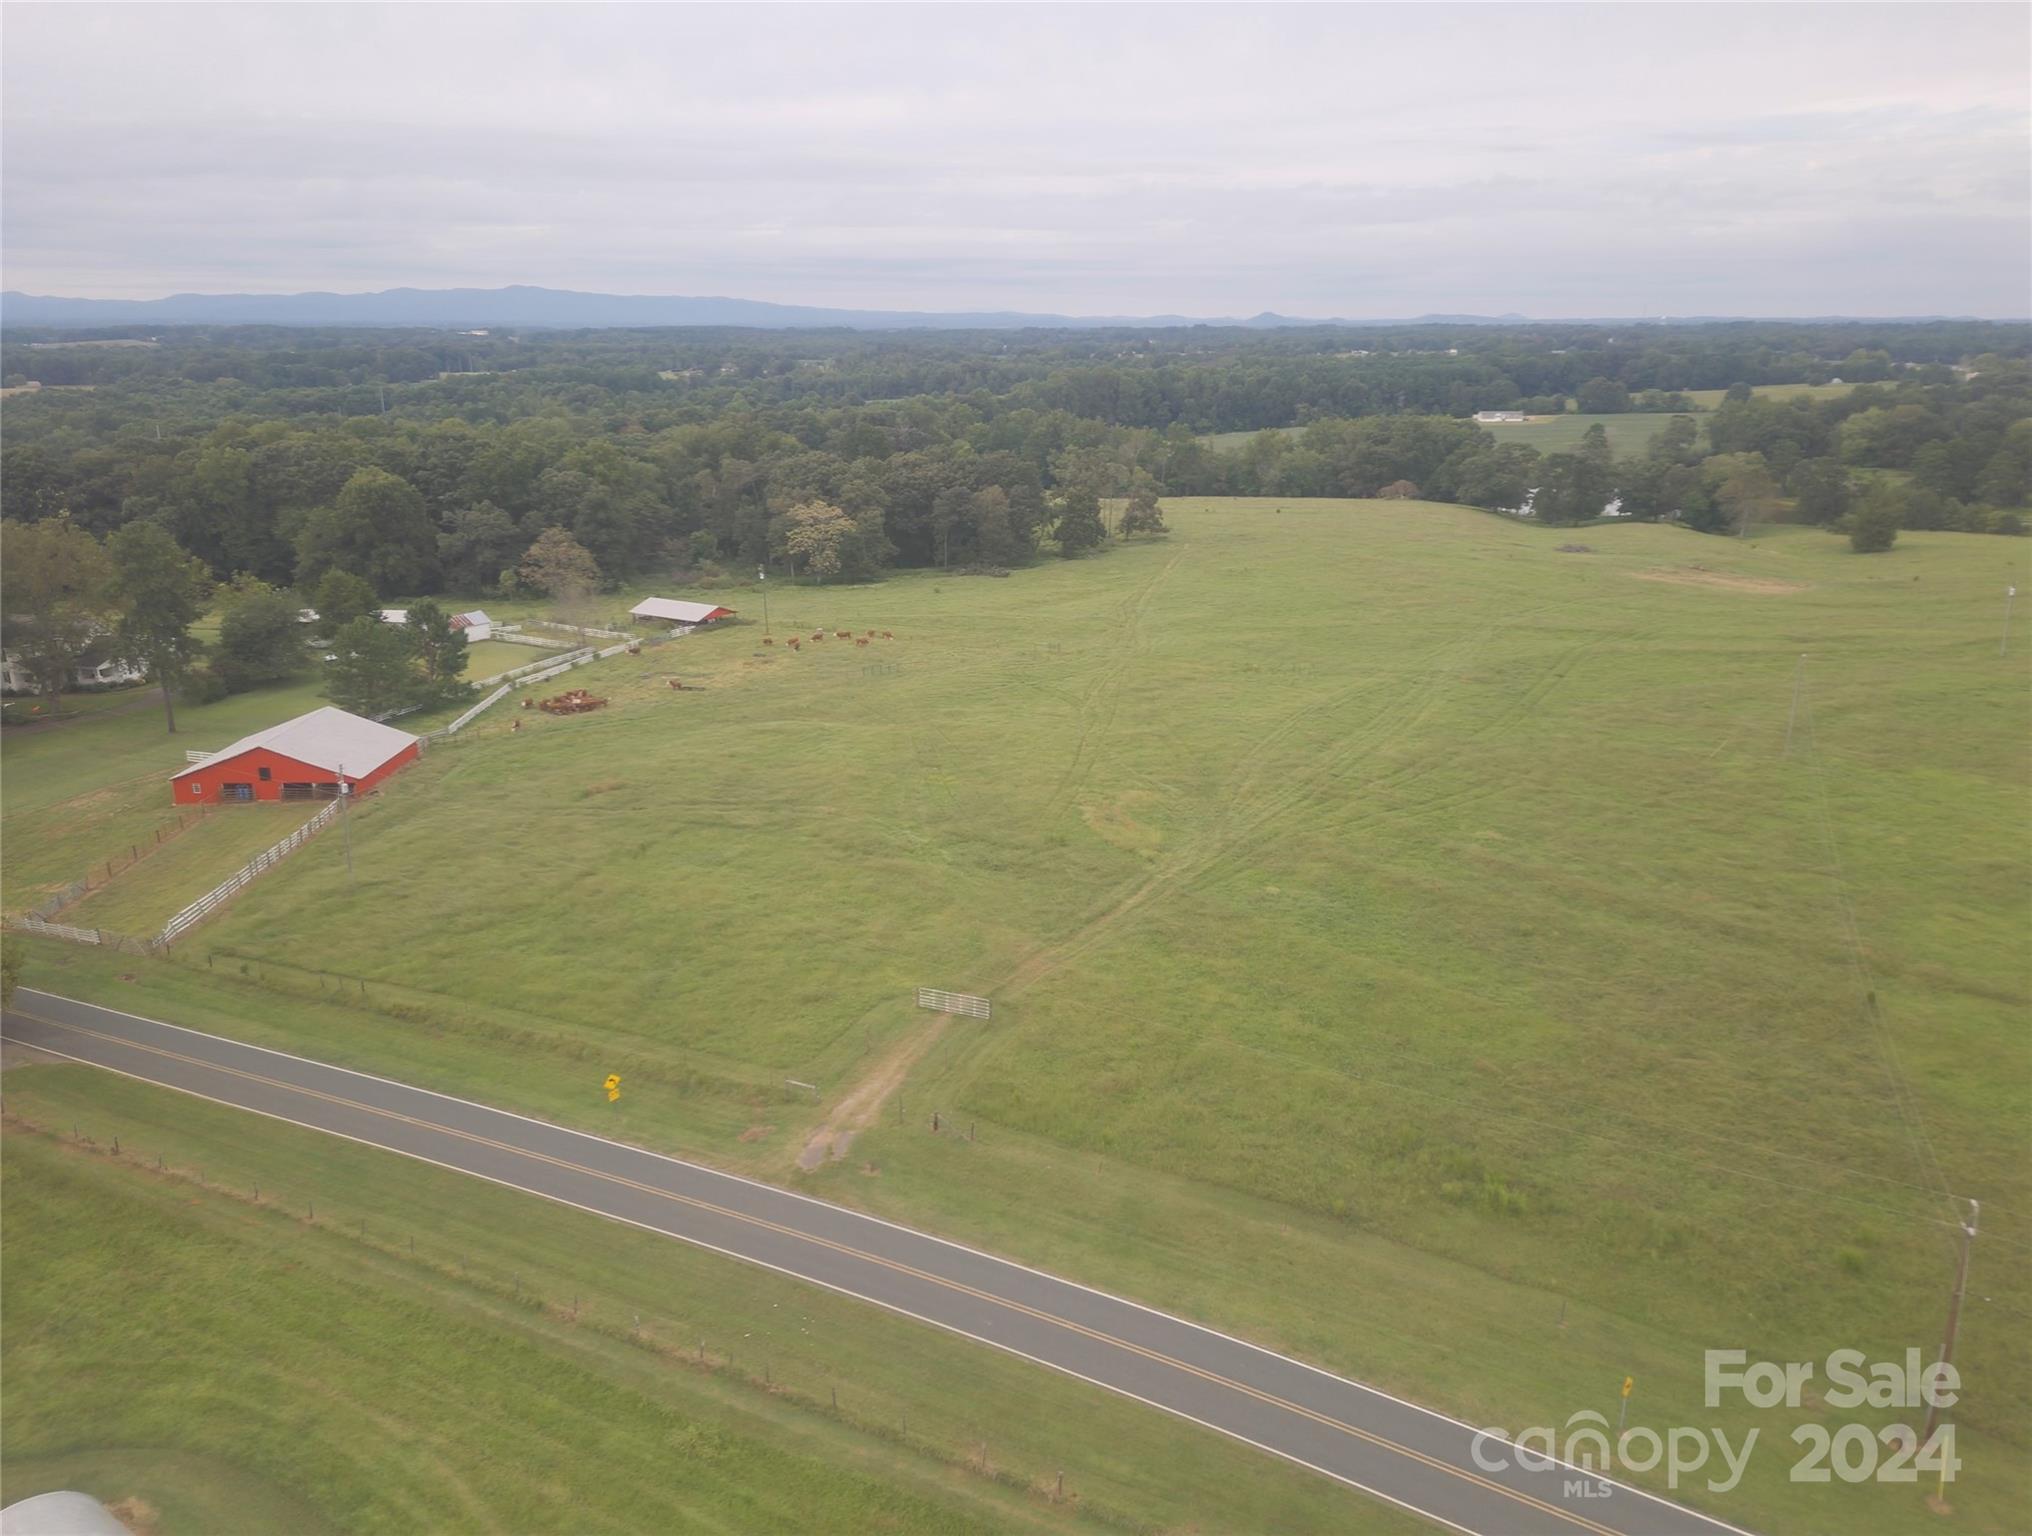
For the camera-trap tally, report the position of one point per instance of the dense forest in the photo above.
(427, 461)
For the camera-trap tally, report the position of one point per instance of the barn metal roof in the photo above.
(671, 608)
(324, 738)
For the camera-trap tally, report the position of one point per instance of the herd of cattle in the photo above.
(839, 634)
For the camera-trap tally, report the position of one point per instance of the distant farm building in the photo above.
(476, 626)
(684, 615)
(1490, 418)
(14, 676)
(302, 759)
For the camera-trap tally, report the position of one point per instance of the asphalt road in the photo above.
(1382, 1445)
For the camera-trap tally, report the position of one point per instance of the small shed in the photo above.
(474, 625)
(307, 758)
(671, 610)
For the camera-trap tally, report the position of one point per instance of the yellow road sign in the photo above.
(1629, 1382)
(613, 1094)
(613, 1081)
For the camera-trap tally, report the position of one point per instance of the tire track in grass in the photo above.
(1101, 701)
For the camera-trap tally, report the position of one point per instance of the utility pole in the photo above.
(1968, 1238)
(2005, 638)
(345, 823)
(762, 576)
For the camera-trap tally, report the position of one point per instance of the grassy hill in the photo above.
(1481, 965)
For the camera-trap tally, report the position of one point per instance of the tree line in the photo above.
(263, 490)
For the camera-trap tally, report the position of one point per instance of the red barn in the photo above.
(301, 759)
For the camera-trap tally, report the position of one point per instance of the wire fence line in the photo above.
(198, 910)
(800, 1381)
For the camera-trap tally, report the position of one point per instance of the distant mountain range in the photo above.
(558, 308)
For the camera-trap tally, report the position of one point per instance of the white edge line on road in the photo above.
(743, 1258)
(848, 1211)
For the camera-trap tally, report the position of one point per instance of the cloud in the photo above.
(1213, 160)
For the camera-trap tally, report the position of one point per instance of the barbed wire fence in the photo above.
(675, 1342)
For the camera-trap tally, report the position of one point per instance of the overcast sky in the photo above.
(1210, 160)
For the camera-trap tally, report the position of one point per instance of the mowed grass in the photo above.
(1403, 934)
(1629, 432)
(1708, 399)
(80, 793)
(489, 658)
(375, 1344)
(140, 898)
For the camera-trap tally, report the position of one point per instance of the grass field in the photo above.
(138, 900)
(490, 657)
(1629, 433)
(269, 1364)
(81, 791)
(1708, 399)
(1404, 935)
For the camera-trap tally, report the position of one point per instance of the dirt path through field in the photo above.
(857, 1111)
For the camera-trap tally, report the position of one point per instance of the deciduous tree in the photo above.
(56, 600)
(260, 639)
(161, 592)
(560, 567)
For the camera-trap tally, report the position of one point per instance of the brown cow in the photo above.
(792, 644)
(818, 634)
(527, 702)
(843, 634)
(860, 642)
(887, 636)
(871, 634)
(767, 641)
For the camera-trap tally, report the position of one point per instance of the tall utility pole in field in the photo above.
(2004, 639)
(1968, 1238)
(345, 823)
(762, 576)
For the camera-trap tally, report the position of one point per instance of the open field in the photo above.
(1629, 433)
(79, 792)
(492, 656)
(496, 1377)
(1708, 399)
(137, 901)
(1403, 935)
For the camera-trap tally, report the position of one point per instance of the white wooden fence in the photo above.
(198, 757)
(514, 672)
(577, 659)
(470, 715)
(952, 1002)
(198, 910)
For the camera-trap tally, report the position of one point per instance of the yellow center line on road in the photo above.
(1212, 1377)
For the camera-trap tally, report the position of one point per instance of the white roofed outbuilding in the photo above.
(671, 610)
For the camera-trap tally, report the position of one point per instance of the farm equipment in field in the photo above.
(574, 702)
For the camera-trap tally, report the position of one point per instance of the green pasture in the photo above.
(1708, 399)
(77, 792)
(141, 896)
(1629, 432)
(1481, 965)
(275, 1330)
(490, 657)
